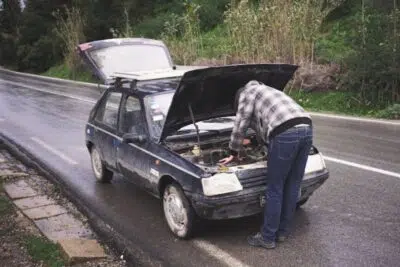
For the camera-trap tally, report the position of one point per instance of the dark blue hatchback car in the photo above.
(165, 128)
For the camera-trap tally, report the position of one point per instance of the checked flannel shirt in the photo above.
(262, 108)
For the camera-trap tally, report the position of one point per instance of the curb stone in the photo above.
(81, 250)
(32, 202)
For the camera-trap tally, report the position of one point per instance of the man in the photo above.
(286, 129)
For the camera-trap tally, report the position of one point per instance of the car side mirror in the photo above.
(134, 138)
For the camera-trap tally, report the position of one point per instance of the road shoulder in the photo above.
(29, 201)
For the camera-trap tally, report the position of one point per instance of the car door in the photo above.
(106, 120)
(133, 161)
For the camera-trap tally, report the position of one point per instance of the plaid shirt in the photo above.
(262, 108)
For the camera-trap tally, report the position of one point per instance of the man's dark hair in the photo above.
(237, 97)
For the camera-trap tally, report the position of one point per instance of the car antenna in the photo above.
(195, 125)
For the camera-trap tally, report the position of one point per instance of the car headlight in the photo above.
(315, 163)
(221, 183)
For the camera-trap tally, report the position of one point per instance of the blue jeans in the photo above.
(287, 159)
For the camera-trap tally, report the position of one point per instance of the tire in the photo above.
(102, 174)
(178, 213)
(301, 202)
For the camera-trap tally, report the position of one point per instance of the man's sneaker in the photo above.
(258, 241)
(281, 238)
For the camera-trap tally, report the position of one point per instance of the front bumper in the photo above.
(246, 202)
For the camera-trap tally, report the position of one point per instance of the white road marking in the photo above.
(87, 100)
(219, 254)
(54, 151)
(349, 118)
(364, 167)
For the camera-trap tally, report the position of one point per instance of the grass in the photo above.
(5, 205)
(63, 72)
(339, 102)
(42, 250)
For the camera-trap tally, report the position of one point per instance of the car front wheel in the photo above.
(102, 174)
(178, 212)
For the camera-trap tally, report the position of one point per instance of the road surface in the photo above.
(352, 220)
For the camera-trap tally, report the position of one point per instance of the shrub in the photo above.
(374, 67)
(39, 56)
(274, 30)
(391, 112)
(182, 34)
(71, 31)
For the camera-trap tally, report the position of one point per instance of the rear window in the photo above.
(130, 58)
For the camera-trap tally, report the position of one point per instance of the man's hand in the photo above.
(246, 142)
(227, 160)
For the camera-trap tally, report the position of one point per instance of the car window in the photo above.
(131, 119)
(108, 112)
(157, 108)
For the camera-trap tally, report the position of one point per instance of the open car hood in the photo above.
(123, 55)
(211, 91)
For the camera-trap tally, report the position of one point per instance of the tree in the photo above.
(38, 46)
(10, 15)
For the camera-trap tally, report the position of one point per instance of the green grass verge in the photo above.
(338, 102)
(6, 210)
(5, 205)
(63, 72)
(40, 249)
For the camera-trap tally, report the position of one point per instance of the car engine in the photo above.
(210, 156)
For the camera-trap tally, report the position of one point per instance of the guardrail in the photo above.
(70, 82)
(48, 79)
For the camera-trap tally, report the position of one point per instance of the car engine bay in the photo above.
(208, 155)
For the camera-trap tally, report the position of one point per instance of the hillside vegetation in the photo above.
(347, 50)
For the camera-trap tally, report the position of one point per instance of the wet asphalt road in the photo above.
(352, 220)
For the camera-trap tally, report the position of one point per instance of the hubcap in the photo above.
(96, 162)
(175, 212)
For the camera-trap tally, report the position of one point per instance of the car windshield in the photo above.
(157, 107)
(131, 58)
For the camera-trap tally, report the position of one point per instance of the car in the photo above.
(166, 127)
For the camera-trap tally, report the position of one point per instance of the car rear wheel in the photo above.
(302, 202)
(179, 214)
(102, 174)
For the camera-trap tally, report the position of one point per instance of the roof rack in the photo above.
(120, 78)
(134, 77)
